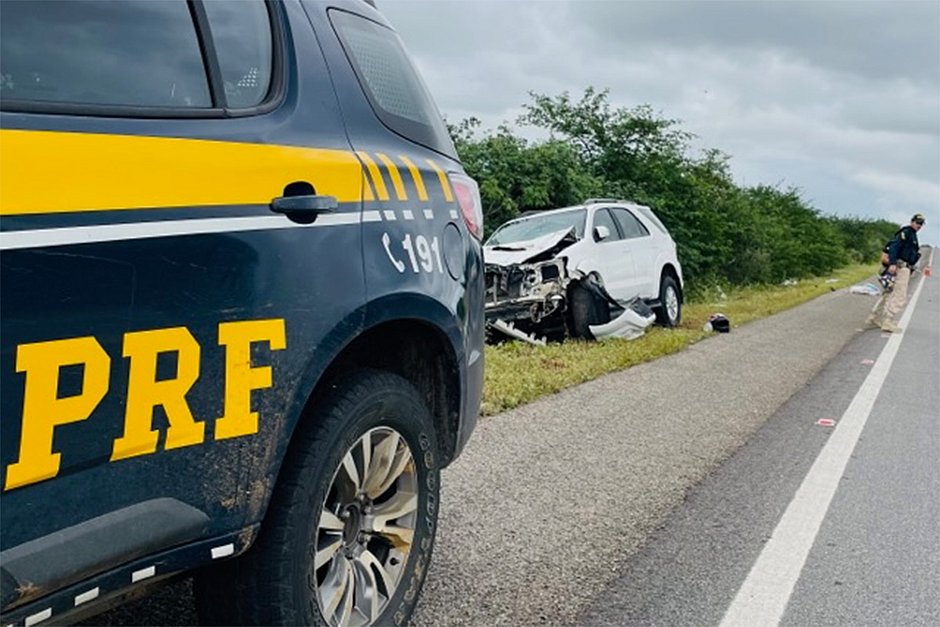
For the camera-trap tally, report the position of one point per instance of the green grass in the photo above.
(518, 373)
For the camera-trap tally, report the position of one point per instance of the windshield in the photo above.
(537, 226)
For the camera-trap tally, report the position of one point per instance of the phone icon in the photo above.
(387, 242)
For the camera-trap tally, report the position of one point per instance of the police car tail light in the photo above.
(468, 197)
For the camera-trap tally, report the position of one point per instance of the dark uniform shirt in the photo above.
(904, 247)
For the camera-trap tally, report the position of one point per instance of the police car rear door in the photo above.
(181, 231)
(410, 162)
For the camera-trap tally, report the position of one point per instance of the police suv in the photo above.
(242, 317)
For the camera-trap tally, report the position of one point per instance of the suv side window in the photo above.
(393, 87)
(241, 33)
(631, 227)
(602, 218)
(652, 217)
(98, 52)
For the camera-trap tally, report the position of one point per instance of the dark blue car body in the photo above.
(139, 247)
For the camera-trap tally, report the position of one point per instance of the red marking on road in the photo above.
(868, 362)
(826, 422)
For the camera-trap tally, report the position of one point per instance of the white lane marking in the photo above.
(408, 214)
(390, 215)
(764, 595)
(429, 214)
(144, 573)
(12, 240)
(38, 617)
(223, 551)
(85, 597)
(453, 214)
(371, 216)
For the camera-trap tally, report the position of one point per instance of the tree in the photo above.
(723, 232)
(516, 176)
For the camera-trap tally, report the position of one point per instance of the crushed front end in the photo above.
(528, 297)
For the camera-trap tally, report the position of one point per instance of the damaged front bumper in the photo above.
(629, 325)
(529, 301)
(527, 291)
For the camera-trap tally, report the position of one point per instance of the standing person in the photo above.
(903, 253)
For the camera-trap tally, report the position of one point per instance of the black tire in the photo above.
(669, 312)
(275, 582)
(585, 311)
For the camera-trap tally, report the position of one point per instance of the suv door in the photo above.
(158, 319)
(612, 257)
(642, 249)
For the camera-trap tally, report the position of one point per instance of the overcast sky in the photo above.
(840, 98)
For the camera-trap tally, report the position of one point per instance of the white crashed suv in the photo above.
(580, 269)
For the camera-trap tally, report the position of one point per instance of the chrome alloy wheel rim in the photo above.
(672, 303)
(366, 529)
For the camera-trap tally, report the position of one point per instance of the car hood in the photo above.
(538, 249)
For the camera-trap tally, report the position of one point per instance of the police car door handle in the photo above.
(312, 204)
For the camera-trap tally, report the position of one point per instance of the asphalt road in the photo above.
(876, 558)
(582, 507)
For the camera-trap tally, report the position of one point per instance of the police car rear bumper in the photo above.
(471, 403)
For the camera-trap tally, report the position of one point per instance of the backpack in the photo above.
(885, 258)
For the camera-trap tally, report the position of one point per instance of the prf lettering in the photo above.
(44, 410)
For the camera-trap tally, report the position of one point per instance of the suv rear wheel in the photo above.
(348, 536)
(669, 312)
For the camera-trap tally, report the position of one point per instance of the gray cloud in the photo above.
(872, 39)
(838, 98)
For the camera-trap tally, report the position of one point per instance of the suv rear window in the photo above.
(631, 227)
(394, 89)
(652, 217)
(142, 53)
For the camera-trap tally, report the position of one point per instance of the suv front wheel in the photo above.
(348, 536)
(669, 312)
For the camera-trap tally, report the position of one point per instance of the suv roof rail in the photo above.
(595, 201)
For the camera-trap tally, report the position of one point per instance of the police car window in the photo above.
(241, 32)
(629, 224)
(602, 218)
(393, 87)
(142, 53)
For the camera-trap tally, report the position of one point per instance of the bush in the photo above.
(725, 234)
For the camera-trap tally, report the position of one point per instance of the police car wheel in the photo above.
(669, 312)
(349, 532)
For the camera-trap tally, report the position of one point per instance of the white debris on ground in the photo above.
(629, 325)
(866, 289)
(510, 329)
